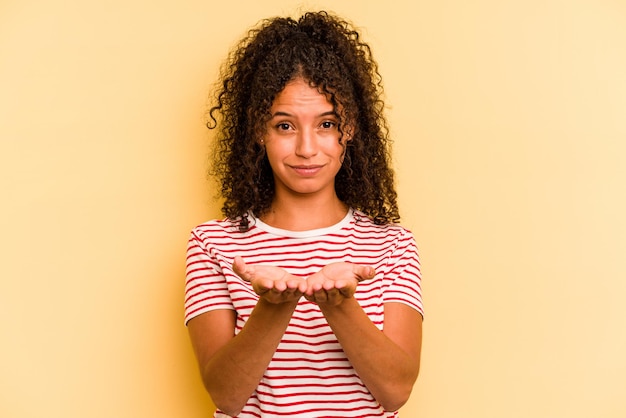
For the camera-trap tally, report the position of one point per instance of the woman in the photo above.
(305, 300)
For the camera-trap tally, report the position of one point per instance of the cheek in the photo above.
(274, 152)
(343, 153)
(339, 150)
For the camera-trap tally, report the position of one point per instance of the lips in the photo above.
(306, 170)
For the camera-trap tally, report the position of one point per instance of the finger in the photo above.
(342, 287)
(313, 288)
(332, 294)
(287, 293)
(320, 296)
(280, 286)
(332, 284)
(260, 288)
(363, 272)
(297, 285)
(347, 292)
(241, 268)
(292, 293)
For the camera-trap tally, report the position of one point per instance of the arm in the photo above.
(389, 363)
(232, 366)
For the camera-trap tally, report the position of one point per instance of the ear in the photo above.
(348, 133)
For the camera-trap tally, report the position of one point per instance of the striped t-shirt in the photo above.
(309, 375)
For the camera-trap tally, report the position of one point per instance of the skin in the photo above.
(303, 146)
(305, 150)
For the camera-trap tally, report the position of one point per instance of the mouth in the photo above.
(306, 170)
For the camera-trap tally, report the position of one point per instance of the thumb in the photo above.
(241, 268)
(363, 272)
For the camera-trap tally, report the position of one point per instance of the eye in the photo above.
(283, 126)
(328, 124)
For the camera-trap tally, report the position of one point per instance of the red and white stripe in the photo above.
(309, 375)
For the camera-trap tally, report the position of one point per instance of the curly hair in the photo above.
(329, 54)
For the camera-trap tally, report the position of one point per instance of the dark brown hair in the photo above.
(329, 53)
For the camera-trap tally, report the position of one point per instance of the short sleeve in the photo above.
(205, 287)
(404, 275)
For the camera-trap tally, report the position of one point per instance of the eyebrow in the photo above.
(329, 113)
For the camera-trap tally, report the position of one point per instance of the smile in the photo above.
(306, 170)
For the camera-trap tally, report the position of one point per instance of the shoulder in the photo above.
(365, 224)
(226, 235)
(213, 225)
(218, 229)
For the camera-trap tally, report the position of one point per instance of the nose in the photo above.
(306, 145)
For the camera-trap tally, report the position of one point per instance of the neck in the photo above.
(305, 214)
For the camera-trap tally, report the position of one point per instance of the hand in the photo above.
(336, 282)
(271, 283)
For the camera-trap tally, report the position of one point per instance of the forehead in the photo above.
(298, 97)
(299, 91)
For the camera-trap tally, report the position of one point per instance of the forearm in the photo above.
(232, 374)
(387, 370)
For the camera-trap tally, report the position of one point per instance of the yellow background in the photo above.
(509, 119)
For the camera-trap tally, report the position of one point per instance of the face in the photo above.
(302, 141)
